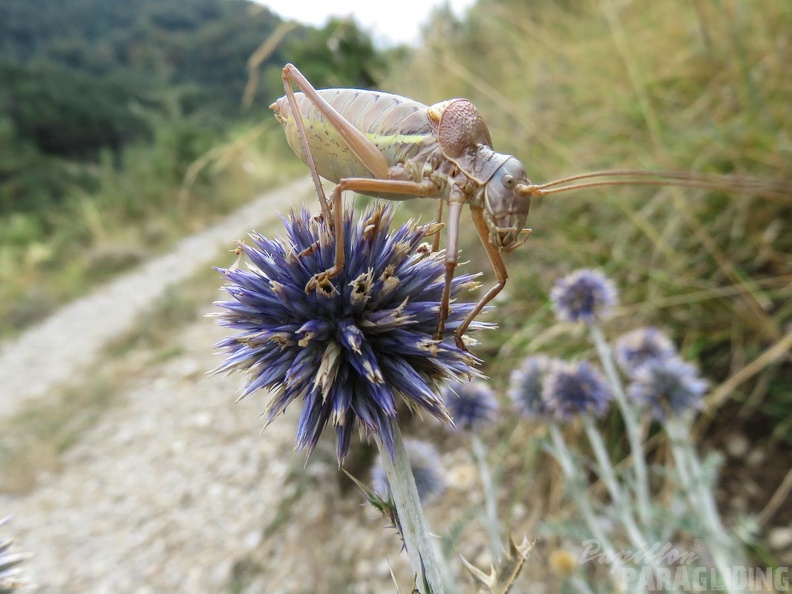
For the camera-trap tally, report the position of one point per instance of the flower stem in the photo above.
(578, 493)
(490, 496)
(410, 513)
(631, 425)
(608, 476)
(699, 495)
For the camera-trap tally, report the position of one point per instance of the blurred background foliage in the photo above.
(106, 108)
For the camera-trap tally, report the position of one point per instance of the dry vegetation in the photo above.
(692, 86)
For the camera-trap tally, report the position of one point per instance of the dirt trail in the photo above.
(56, 350)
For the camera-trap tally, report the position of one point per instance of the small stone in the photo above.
(462, 476)
(737, 445)
(253, 539)
(202, 420)
(519, 511)
(756, 457)
(780, 538)
(189, 369)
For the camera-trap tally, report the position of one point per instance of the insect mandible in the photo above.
(391, 147)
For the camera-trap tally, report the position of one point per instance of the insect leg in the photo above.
(364, 149)
(498, 266)
(372, 186)
(439, 221)
(305, 147)
(454, 212)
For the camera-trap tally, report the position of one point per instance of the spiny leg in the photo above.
(287, 87)
(452, 244)
(496, 260)
(362, 184)
(439, 221)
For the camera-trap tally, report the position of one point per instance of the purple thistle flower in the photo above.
(426, 468)
(583, 296)
(349, 348)
(472, 405)
(576, 389)
(526, 386)
(635, 348)
(668, 387)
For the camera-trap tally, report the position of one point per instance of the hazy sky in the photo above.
(388, 22)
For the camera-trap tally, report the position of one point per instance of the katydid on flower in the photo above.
(390, 147)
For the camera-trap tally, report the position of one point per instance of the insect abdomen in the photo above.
(398, 126)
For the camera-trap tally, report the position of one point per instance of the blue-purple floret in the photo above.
(573, 389)
(472, 405)
(583, 296)
(349, 349)
(667, 387)
(637, 347)
(526, 386)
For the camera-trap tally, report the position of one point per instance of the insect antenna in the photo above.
(776, 188)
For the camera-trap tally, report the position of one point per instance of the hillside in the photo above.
(105, 107)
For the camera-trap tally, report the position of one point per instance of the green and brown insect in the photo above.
(391, 147)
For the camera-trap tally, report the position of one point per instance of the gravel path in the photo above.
(74, 336)
(142, 502)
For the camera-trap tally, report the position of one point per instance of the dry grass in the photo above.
(693, 86)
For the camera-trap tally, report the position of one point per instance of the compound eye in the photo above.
(508, 182)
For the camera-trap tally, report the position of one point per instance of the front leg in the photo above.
(496, 260)
(454, 212)
(321, 281)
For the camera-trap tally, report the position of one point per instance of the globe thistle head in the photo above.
(526, 386)
(426, 468)
(636, 347)
(11, 577)
(572, 389)
(667, 387)
(349, 348)
(472, 405)
(583, 296)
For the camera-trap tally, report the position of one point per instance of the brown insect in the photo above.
(391, 147)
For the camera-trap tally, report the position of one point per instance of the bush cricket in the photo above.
(386, 146)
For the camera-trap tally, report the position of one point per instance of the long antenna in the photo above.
(777, 188)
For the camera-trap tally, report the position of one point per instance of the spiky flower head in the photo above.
(572, 389)
(583, 296)
(667, 387)
(11, 578)
(526, 386)
(638, 346)
(472, 405)
(426, 468)
(349, 348)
